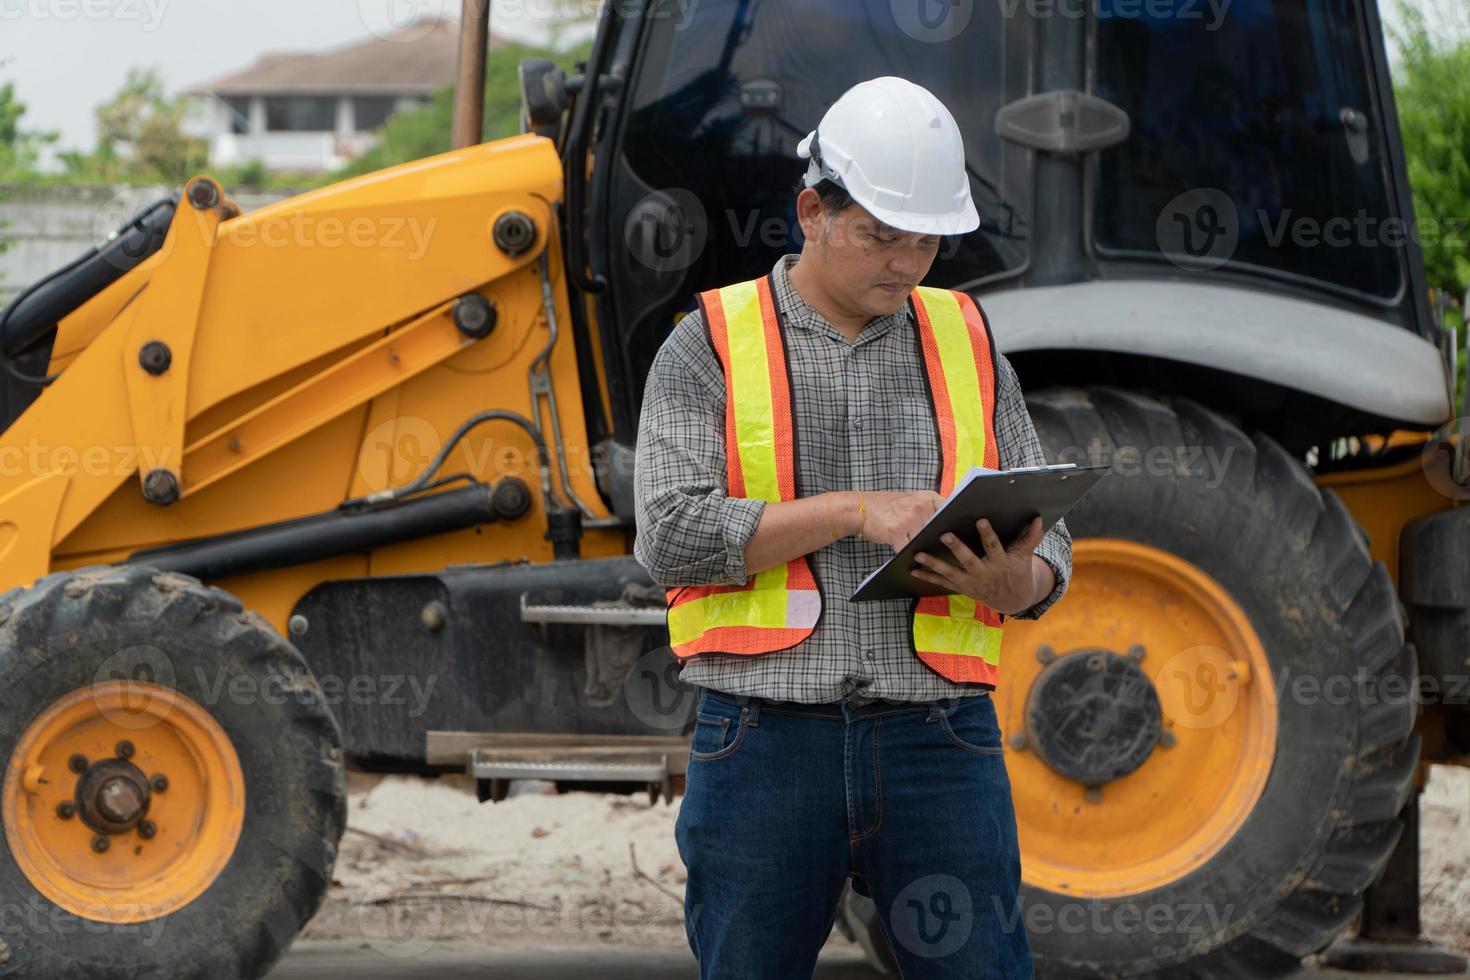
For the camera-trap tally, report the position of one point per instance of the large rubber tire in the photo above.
(1297, 563)
(58, 637)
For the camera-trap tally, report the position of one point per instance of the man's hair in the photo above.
(834, 196)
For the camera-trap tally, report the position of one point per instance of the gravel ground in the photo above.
(425, 863)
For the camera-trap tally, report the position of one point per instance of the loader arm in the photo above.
(240, 335)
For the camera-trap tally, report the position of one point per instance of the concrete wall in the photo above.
(48, 227)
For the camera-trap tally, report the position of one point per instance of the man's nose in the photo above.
(905, 262)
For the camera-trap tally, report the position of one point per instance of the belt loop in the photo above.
(937, 709)
(751, 709)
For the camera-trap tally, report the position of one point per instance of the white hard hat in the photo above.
(898, 152)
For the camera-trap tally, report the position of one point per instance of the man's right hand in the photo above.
(894, 517)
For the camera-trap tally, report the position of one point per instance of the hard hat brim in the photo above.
(960, 222)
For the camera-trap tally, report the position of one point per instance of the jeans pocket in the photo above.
(972, 726)
(719, 728)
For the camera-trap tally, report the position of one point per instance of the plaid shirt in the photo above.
(865, 421)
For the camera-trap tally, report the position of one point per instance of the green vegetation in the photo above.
(18, 149)
(1432, 90)
(426, 131)
(140, 138)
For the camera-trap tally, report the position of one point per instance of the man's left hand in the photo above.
(1004, 578)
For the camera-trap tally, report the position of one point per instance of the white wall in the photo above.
(48, 227)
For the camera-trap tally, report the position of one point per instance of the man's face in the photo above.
(864, 262)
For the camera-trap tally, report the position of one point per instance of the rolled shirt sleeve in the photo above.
(689, 530)
(1020, 446)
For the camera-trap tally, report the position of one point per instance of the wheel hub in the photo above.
(1094, 715)
(1203, 768)
(112, 796)
(123, 801)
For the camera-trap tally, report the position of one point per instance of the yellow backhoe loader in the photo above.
(346, 481)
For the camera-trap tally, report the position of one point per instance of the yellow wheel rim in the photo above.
(85, 752)
(1175, 811)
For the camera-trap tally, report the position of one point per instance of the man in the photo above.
(795, 431)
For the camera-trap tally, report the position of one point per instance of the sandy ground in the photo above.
(424, 863)
(1444, 856)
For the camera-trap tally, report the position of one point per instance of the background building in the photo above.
(308, 112)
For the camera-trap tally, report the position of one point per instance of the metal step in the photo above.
(625, 767)
(619, 615)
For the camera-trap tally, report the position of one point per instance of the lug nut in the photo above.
(124, 749)
(100, 844)
(159, 783)
(77, 763)
(65, 810)
(146, 829)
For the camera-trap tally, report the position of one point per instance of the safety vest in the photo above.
(779, 607)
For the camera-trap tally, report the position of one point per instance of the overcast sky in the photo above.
(67, 56)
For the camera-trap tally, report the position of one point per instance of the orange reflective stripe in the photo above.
(939, 392)
(954, 635)
(766, 603)
(779, 606)
(984, 370)
(953, 353)
(713, 303)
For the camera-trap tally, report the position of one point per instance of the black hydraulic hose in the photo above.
(422, 481)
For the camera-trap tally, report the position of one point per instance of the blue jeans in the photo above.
(785, 801)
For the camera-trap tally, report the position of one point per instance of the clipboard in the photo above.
(1009, 499)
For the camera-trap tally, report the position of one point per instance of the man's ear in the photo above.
(811, 214)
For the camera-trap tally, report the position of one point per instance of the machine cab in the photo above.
(1249, 145)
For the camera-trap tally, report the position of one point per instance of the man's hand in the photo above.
(1007, 580)
(894, 517)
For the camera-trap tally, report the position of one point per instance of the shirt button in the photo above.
(857, 423)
